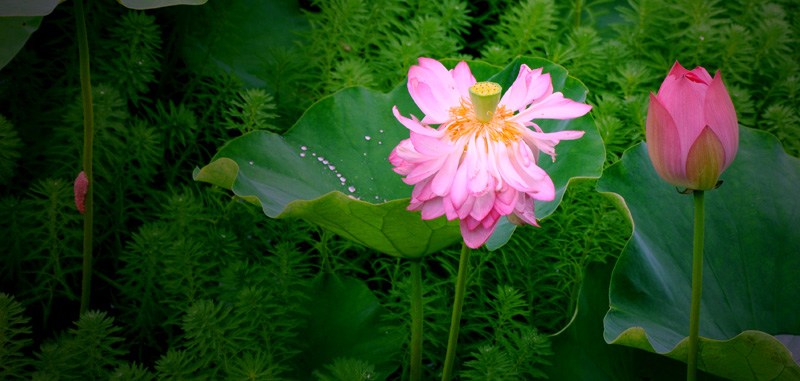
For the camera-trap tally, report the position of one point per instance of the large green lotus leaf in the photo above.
(149, 4)
(332, 169)
(27, 7)
(582, 354)
(345, 320)
(239, 36)
(15, 32)
(752, 260)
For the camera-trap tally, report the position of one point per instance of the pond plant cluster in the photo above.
(258, 190)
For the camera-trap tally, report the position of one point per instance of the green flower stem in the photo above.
(88, 142)
(461, 285)
(416, 320)
(697, 284)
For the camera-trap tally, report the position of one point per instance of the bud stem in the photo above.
(697, 284)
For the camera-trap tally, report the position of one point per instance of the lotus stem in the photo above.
(416, 320)
(88, 143)
(697, 284)
(455, 322)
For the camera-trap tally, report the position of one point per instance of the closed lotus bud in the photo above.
(692, 130)
(81, 187)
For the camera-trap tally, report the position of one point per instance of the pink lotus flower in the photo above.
(692, 131)
(480, 163)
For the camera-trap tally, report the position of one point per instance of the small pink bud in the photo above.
(81, 187)
(692, 130)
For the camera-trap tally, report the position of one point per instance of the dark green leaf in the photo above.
(149, 4)
(27, 7)
(346, 321)
(239, 36)
(582, 354)
(15, 32)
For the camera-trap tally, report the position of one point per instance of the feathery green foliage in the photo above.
(194, 283)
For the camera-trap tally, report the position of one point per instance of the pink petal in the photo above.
(81, 187)
(523, 178)
(413, 124)
(554, 107)
(463, 78)
(544, 190)
(529, 85)
(546, 142)
(478, 181)
(422, 191)
(472, 223)
(441, 72)
(514, 97)
(449, 209)
(534, 125)
(526, 166)
(432, 209)
(506, 200)
(446, 175)
(458, 192)
(507, 169)
(435, 111)
(424, 170)
(684, 98)
(676, 72)
(483, 205)
(721, 118)
(525, 154)
(525, 210)
(400, 166)
(466, 207)
(664, 144)
(541, 87)
(705, 161)
(491, 220)
(405, 158)
(432, 146)
(440, 80)
(476, 237)
(700, 75)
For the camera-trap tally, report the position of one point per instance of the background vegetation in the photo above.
(191, 282)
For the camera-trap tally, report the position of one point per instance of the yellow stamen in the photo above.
(497, 129)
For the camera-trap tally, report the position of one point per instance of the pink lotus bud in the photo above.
(81, 187)
(692, 131)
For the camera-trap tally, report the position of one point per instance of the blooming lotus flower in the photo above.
(480, 163)
(692, 131)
